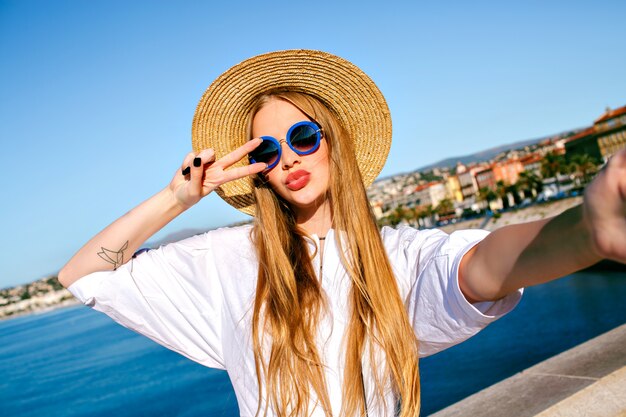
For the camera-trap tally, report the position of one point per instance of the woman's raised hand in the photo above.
(605, 209)
(200, 174)
(126, 234)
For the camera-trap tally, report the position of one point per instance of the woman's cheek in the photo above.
(273, 179)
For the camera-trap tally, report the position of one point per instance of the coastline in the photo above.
(514, 216)
(38, 304)
(59, 298)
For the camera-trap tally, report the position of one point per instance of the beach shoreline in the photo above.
(62, 298)
(534, 212)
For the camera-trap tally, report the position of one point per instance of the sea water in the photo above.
(77, 362)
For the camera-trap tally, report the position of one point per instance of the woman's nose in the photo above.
(288, 158)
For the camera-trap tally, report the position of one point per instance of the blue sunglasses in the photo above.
(303, 138)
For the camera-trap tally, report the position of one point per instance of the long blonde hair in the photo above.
(290, 301)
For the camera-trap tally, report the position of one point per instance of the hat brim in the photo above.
(220, 120)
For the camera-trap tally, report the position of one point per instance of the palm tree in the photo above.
(529, 182)
(514, 189)
(398, 215)
(486, 195)
(392, 219)
(502, 193)
(421, 213)
(430, 213)
(412, 215)
(445, 207)
(585, 165)
(551, 166)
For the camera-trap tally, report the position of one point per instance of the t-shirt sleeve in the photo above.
(171, 295)
(426, 264)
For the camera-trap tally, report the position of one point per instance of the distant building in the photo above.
(584, 142)
(507, 171)
(486, 178)
(610, 130)
(454, 188)
(551, 145)
(429, 194)
(532, 163)
(467, 181)
(603, 139)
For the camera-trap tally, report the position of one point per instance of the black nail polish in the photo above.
(197, 162)
(186, 171)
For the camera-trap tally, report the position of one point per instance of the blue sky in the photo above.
(97, 97)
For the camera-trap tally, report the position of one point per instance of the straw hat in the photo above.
(220, 121)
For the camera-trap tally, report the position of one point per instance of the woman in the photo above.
(312, 310)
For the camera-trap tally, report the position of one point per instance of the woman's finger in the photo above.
(186, 162)
(240, 172)
(236, 155)
(197, 170)
(205, 156)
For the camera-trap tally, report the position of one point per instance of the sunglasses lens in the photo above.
(266, 152)
(304, 138)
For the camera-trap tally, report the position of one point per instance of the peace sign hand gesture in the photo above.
(200, 174)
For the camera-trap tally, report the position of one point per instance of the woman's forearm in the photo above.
(198, 176)
(532, 253)
(527, 254)
(115, 245)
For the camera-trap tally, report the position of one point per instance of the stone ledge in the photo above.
(575, 373)
(604, 398)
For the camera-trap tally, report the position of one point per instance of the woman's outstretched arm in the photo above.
(532, 253)
(114, 245)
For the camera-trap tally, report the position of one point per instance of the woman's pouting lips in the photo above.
(297, 180)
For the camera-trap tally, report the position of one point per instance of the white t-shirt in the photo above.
(195, 297)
